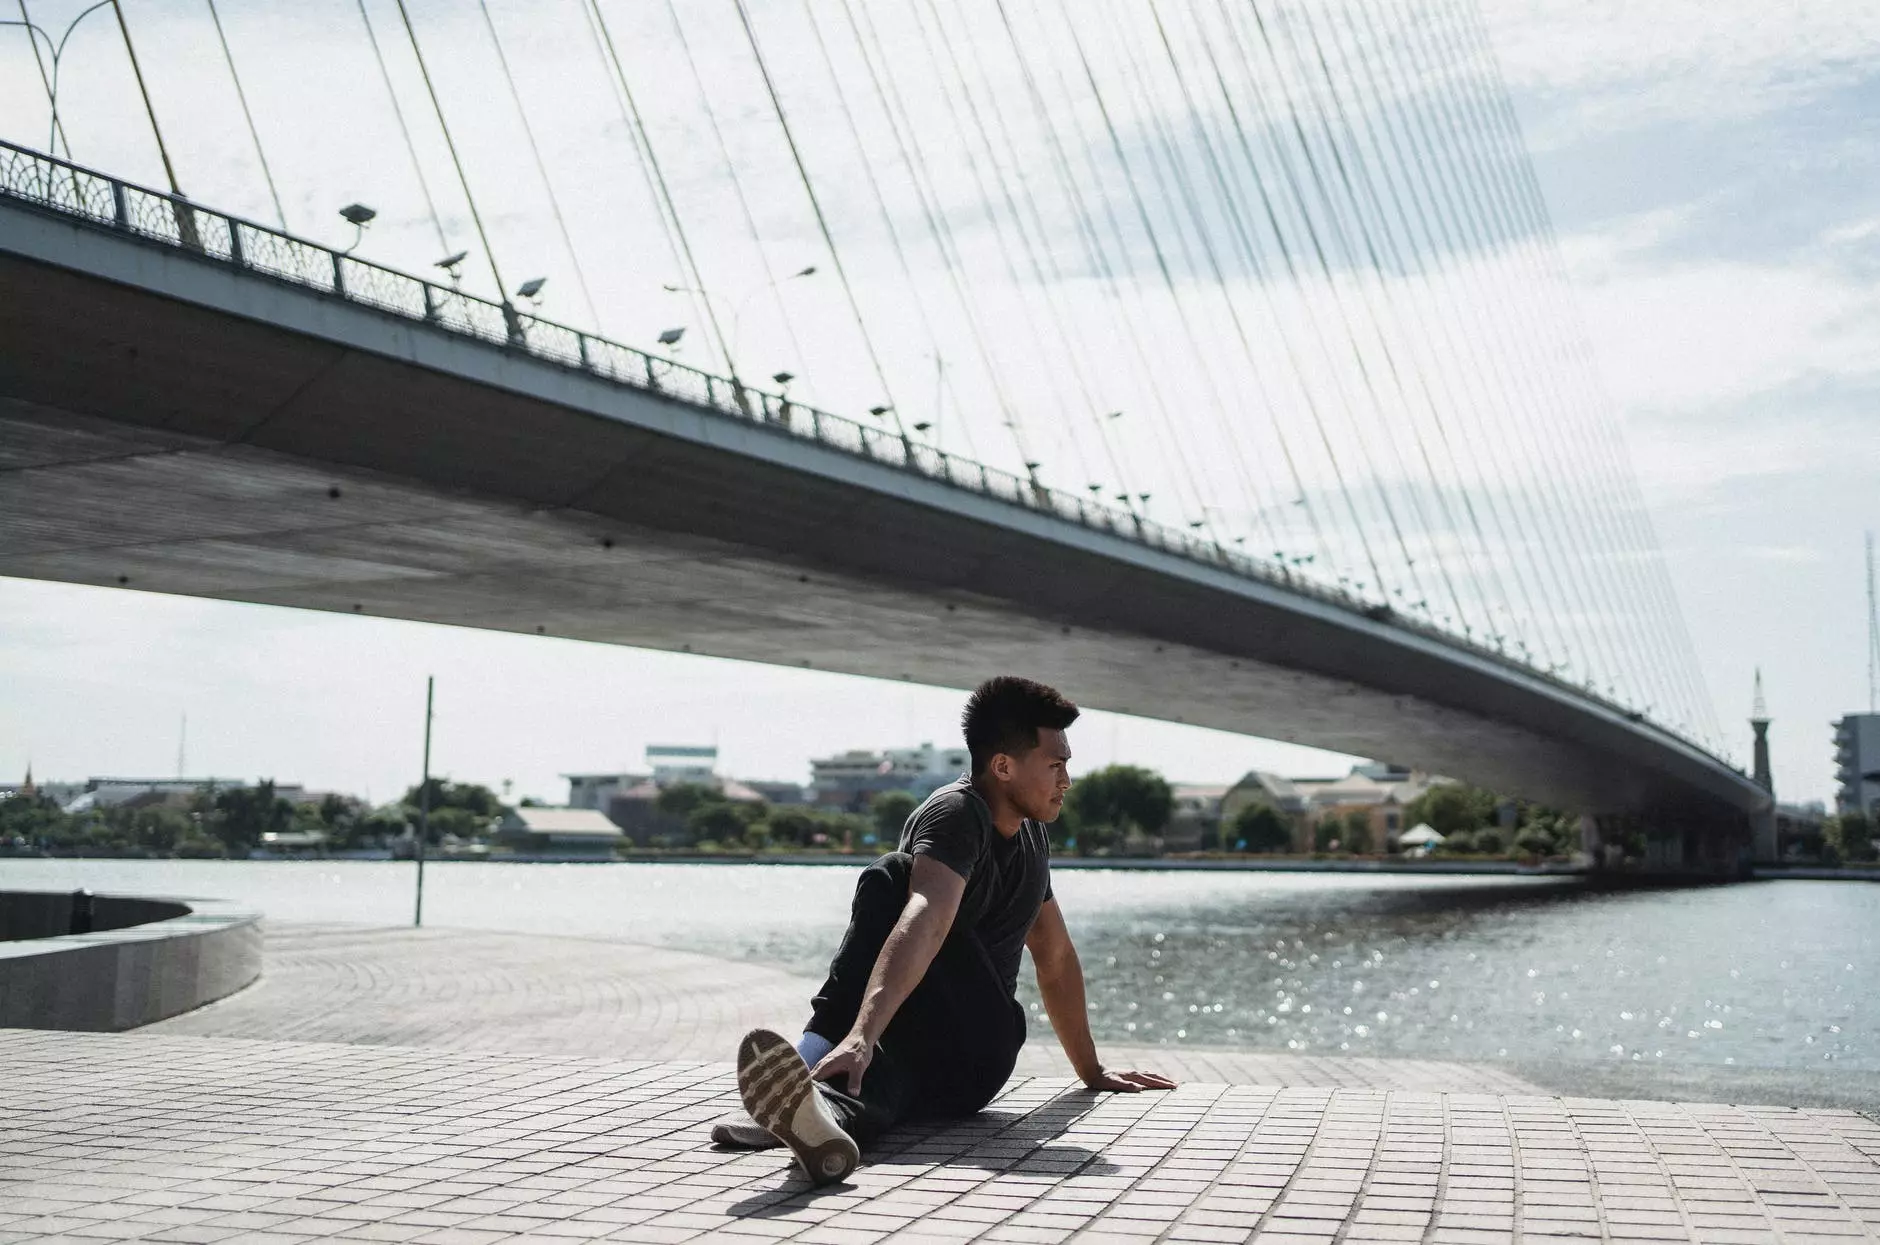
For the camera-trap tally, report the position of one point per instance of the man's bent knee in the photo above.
(890, 876)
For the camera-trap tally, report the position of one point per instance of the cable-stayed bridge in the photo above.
(1221, 368)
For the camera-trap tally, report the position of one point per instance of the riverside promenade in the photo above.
(459, 1088)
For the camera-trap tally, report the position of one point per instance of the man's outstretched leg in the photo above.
(739, 1131)
(880, 893)
(778, 1092)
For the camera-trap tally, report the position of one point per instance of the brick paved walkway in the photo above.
(477, 991)
(470, 990)
(189, 1139)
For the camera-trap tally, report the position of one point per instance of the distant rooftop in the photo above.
(562, 823)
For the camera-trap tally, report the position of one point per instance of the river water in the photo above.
(1771, 975)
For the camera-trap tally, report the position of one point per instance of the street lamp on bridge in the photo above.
(452, 264)
(358, 215)
(737, 309)
(35, 32)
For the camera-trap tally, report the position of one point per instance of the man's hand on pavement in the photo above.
(849, 1059)
(1122, 1081)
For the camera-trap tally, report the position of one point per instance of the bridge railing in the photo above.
(71, 191)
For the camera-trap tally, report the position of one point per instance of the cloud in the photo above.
(1606, 64)
(1681, 334)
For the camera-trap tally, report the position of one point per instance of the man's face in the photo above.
(1040, 778)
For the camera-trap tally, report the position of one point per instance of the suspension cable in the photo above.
(1329, 173)
(150, 111)
(1346, 160)
(1355, 173)
(1284, 247)
(915, 158)
(268, 174)
(1517, 242)
(1118, 151)
(1276, 125)
(1475, 471)
(615, 76)
(1183, 205)
(1523, 240)
(1069, 341)
(417, 166)
(1581, 366)
(874, 183)
(1555, 635)
(822, 221)
(771, 276)
(1498, 228)
(541, 167)
(489, 253)
(656, 172)
(1243, 230)
(1095, 254)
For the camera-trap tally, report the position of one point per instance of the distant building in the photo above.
(559, 832)
(849, 780)
(291, 844)
(149, 792)
(676, 763)
(60, 793)
(1378, 790)
(27, 787)
(1798, 829)
(774, 791)
(631, 801)
(1857, 763)
(1260, 787)
(1381, 792)
(668, 764)
(596, 791)
(1195, 820)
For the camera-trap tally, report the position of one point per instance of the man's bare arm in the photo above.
(1061, 983)
(932, 902)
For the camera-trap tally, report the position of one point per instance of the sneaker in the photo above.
(741, 1132)
(782, 1099)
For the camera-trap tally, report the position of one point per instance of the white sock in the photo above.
(812, 1047)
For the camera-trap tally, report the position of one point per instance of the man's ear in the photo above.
(1001, 767)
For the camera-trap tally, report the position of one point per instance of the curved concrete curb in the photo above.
(116, 979)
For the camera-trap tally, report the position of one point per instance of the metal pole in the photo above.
(424, 799)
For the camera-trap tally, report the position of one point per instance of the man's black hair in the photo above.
(1005, 714)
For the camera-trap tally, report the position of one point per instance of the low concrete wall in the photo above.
(53, 914)
(187, 952)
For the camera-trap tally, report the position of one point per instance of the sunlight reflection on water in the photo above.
(1773, 974)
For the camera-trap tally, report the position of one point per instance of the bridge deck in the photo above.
(178, 424)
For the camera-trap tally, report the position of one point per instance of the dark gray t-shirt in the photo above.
(1007, 880)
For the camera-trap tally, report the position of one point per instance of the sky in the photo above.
(1705, 168)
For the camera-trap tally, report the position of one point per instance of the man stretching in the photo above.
(919, 1015)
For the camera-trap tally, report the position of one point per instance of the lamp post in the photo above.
(737, 310)
(35, 32)
(424, 800)
(358, 215)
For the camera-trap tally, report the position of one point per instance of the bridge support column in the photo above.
(1591, 842)
(1762, 836)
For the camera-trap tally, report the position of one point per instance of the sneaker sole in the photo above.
(781, 1097)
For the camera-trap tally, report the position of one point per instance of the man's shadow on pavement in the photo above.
(995, 1140)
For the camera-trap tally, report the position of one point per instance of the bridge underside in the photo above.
(166, 443)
